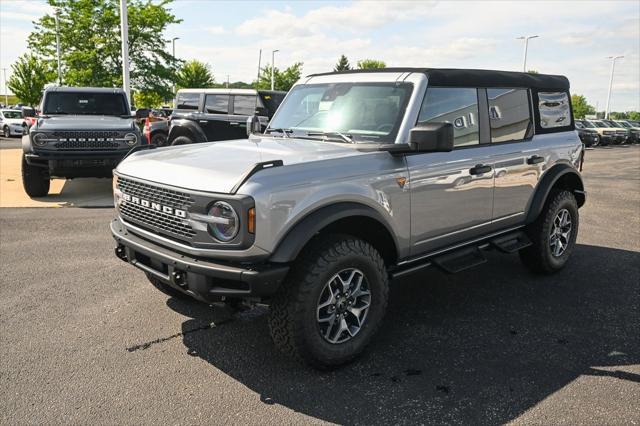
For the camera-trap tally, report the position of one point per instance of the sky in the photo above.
(575, 38)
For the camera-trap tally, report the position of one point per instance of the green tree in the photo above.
(343, 64)
(195, 74)
(283, 79)
(29, 77)
(581, 107)
(90, 43)
(147, 99)
(370, 64)
(533, 72)
(633, 115)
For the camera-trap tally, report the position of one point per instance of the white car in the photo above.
(12, 123)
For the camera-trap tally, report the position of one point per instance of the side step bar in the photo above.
(465, 257)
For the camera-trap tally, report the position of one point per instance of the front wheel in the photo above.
(35, 180)
(332, 303)
(553, 234)
(159, 139)
(6, 132)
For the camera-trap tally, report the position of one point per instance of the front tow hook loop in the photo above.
(121, 253)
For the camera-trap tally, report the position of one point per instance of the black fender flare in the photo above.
(182, 127)
(548, 181)
(303, 231)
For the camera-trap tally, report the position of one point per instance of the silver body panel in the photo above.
(441, 203)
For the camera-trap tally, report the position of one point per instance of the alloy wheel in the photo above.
(343, 306)
(560, 233)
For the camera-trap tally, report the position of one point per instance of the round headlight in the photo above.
(223, 223)
(39, 139)
(131, 139)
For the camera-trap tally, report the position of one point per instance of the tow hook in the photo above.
(121, 253)
(178, 278)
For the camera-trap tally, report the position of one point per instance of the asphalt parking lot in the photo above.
(85, 339)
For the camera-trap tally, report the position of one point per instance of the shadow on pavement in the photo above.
(83, 192)
(478, 347)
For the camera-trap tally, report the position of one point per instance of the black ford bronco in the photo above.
(206, 115)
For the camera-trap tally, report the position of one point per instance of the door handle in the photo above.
(480, 169)
(203, 121)
(535, 159)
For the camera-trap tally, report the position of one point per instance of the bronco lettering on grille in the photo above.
(155, 206)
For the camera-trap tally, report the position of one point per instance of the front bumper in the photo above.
(202, 278)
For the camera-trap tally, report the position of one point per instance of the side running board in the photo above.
(255, 169)
(460, 258)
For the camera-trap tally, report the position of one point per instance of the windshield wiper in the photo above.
(285, 132)
(347, 138)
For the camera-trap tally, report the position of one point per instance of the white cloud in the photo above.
(215, 30)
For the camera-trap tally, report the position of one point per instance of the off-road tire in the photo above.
(292, 317)
(167, 289)
(182, 140)
(538, 257)
(35, 180)
(159, 139)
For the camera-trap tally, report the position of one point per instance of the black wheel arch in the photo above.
(560, 176)
(350, 218)
(184, 127)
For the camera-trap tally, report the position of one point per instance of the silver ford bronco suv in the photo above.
(361, 177)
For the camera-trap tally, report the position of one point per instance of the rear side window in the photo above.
(244, 105)
(455, 105)
(188, 101)
(217, 104)
(554, 109)
(509, 114)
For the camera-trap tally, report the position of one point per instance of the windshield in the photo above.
(579, 124)
(77, 103)
(588, 125)
(634, 123)
(600, 124)
(365, 112)
(12, 114)
(624, 124)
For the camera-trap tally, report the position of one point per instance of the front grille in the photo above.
(87, 134)
(152, 218)
(86, 144)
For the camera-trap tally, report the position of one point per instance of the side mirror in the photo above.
(142, 113)
(253, 125)
(431, 137)
(262, 111)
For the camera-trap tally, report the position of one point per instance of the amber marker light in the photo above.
(251, 222)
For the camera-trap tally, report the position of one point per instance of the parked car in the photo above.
(588, 135)
(620, 129)
(156, 131)
(632, 128)
(81, 132)
(12, 123)
(203, 115)
(350, 185)
(608, 135)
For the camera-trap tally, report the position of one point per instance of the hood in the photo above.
(218, 166)
(84, 122)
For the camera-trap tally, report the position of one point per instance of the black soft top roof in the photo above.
(477, 78)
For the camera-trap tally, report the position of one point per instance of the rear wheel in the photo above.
(6, 132)
(553, 234)
(159, 139)
(35, 180)
(332, 303)
(182, 140)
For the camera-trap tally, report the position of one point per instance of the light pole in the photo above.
(273, 67)
(613, 66)
(173, 53)
(227, 81)
(124, 31)
(526, 45)
(56, 16)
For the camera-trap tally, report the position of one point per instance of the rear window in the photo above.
(80, 103)
(244, 104)
(554, 109)
(217, 104)
(188, 101)
(509, 114)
